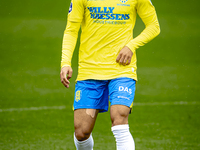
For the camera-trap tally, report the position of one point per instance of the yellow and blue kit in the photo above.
(107, 26)
(96, 94)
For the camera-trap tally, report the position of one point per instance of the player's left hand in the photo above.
(124, 56)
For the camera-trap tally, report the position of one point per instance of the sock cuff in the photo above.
(82, 142)
(120, 127)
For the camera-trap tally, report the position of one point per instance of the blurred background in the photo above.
(36, 109)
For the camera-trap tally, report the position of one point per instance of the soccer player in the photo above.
(107, 63)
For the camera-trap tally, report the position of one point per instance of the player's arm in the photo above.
(147, 13)
(68, 46)
(75, 17)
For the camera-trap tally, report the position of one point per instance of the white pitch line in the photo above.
(33, 108)
(166, 103)
(134, 104)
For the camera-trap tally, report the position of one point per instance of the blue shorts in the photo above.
(96, 94)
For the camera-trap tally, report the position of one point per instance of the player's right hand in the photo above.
(65, 75)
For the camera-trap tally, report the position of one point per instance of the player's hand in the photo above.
(124, 56)
(65, 75)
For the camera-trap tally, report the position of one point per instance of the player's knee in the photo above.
(82, 134)
(119, 115)
(119, 119)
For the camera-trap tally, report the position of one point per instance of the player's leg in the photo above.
(121, 92)
(90, 99)
(119, 114)
(120, 128)
(84, 120)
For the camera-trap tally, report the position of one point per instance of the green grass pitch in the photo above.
(35, 108)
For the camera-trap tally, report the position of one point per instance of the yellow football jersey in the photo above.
(107, 26)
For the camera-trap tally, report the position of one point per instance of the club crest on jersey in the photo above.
(123, 1)
(70, 8)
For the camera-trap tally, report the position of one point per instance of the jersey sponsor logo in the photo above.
(125, 89)
(106, 13)
(123, 1)
(78, 96)
(70, 7)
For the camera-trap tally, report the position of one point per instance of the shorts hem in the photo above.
(121, 104)
(92, 107)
